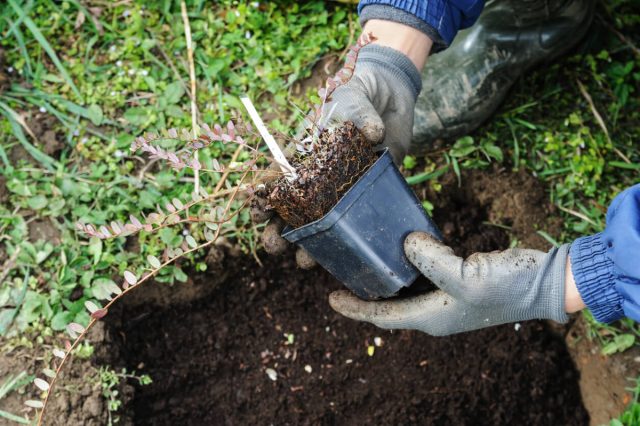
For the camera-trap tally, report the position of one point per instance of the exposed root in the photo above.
(336, 162)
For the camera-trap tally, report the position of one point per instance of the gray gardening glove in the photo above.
(484, 290)
(379, 99)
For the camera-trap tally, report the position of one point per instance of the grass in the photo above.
(123, 70)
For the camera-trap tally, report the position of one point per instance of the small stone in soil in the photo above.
(272, 374)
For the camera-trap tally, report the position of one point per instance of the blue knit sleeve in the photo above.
(606, 266)
(439, 19)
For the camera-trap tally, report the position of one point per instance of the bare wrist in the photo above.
(573, 300)
(413, 43)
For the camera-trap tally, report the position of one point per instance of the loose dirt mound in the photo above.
(209, 357)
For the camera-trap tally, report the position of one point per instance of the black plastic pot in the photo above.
(360, 241)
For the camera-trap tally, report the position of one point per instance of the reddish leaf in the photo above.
(100, 313)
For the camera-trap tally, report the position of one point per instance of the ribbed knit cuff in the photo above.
(396, 62)
(391, 13)
(593, 272)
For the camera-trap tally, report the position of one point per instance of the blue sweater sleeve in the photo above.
(439, 19)
(606, 266)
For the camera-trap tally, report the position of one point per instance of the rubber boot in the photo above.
(465, 84)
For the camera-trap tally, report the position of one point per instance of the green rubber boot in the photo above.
(465, 84)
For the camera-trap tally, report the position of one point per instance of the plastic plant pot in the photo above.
(361, 240)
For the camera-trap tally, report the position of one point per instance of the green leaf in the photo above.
(138, 116)
(620, 343)
(174, 111)
(14, 418)
(493, 151)
(61, 319)
(153, 261)
(409, 162)
(95, 249)
(174, 92)
(623, 165)
(423, 177)
(191, 241)
(463, 147)
(95, 114)
(180, 275)
(38, 202)
(102, 287)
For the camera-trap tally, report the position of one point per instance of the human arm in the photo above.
(380, 97)
(601, 271)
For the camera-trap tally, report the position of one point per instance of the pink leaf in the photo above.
(49, 373)
(41, 384)
(34, 404)
(177, 203)
(105, 231)
(91, 307)
(231, 128)
(134, 220)
(130, 228)
(154, 218)
(153, 261)
(173, 133)
(130, 277)
(100, 313)
(74, 329)
(195, 164)
(170, 207)
(115, 228)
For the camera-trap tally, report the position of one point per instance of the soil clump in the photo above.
(335, 162)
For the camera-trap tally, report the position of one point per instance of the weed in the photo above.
(110, 381)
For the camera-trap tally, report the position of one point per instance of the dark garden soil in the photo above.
(210, 355)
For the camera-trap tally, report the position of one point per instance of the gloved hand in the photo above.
(517, 284)
(379, 99)
(485, 289)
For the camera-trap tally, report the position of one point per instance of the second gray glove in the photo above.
(484, 290)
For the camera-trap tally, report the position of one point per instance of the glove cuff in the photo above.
(552, 286)
(394, 62)
(593, 272)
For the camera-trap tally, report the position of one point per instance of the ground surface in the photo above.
(208, 356)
